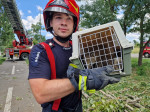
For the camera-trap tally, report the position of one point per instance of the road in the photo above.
(15, 92)
(134, 55)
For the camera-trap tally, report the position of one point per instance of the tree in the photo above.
(141, 14)
(127, 20)
(6, 31)
(35, 33)
(136, 17)
(136, 43)
(96, 13)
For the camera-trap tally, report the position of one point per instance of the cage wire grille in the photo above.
(100, 48)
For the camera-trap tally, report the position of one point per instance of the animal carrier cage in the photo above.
(101, 46)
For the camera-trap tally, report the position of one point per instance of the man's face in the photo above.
(62, 24)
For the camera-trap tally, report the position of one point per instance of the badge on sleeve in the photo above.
(34, 56)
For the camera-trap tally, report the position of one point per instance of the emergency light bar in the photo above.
(101, 46)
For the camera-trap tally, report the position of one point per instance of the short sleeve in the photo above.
(39, 66)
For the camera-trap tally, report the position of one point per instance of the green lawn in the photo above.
(131, 94)
(2, 59)
(135, 50)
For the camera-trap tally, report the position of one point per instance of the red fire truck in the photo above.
(22, 48)
(146, 51)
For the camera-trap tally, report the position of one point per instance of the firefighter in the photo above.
(62, 94)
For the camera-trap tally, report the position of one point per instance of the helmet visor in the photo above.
(59, 9)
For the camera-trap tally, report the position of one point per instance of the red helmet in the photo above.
(65, 6)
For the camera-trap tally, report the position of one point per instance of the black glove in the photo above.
(88, 79)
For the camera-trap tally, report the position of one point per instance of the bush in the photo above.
(2, 59)
(141, 70)
(129, 88)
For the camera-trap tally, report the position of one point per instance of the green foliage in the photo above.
(27, 61)
(130, 87)
(135, 50)
(101, 103)
(35, 33)
(136, 14)
(35, 41)
(136, 43)
(140, 14)
(2, 59)
(143, 84)
(142, 70)
(140, 9)
(96, 13)
(6, 31)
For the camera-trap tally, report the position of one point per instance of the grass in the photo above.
(2, 59)
(135, 50)
(135, 88)
(19, 98)
(130, 94)
(27, 61)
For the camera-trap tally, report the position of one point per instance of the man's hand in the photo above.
(88, 79)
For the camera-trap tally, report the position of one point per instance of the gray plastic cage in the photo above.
(101, 46)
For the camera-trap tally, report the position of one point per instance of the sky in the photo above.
(30, 14)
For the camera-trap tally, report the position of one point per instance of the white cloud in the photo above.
(29, 11)
(32, 20)
(133, 36)
(21, 13)
(48, 35)
(119, 16)
(90, 13)
(39, 8)
(83, 2)
(147, 15)
(120, 13)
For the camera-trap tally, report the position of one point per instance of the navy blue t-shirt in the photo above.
(39, 67)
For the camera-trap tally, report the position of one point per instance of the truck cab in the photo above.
(146, 51)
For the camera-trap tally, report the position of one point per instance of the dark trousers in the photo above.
(77, 109)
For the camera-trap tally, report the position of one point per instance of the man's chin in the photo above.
(64, 36)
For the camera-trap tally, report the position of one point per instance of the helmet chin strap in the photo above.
(63, 40)
(60, 39)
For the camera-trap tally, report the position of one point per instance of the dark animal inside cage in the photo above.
(100, 48)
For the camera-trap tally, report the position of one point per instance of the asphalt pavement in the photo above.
(134, 55)
(15, 92)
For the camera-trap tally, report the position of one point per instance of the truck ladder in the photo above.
(14, 18)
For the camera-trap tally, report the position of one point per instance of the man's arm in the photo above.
(45, 90)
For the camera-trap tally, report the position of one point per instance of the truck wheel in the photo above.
(146, 55)
(24, 56)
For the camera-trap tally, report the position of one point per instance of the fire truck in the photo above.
(22, 48)
(146, 51)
